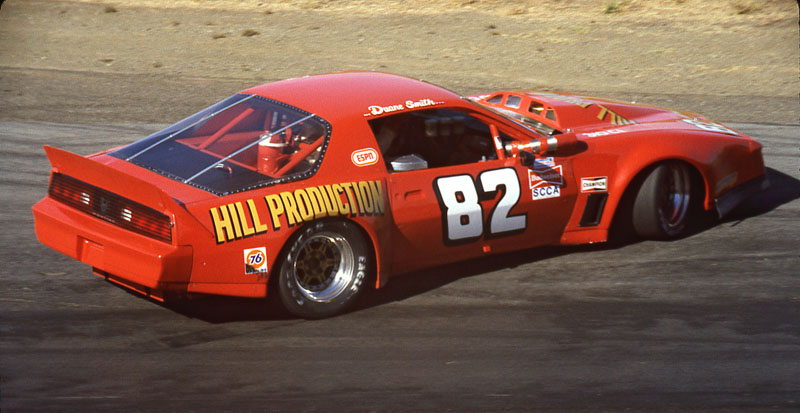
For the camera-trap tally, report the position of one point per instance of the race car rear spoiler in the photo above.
(110, 179)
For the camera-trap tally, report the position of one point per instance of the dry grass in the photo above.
(746, 7)
(691, 11)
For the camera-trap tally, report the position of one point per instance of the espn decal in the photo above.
(243, 219)
(255, 260)
(594, 184)
(364, 157)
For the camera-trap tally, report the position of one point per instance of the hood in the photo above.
(563, 112)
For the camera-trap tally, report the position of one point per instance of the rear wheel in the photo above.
(324, 270)
(662, 207)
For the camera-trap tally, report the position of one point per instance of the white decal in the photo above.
(548, 176)
(594, 184)
(543, 163)
(545, 192)
(462, 211)
(710, 126)
(410, 104)
(603, 133)
(364, 157)
(255, 260)
(379, 110)
(478, 97)
(500, 220)
(375, 110)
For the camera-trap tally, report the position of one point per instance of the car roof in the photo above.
(336, 96)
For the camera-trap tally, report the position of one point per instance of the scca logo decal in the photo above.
(545, 192)
(235, 221)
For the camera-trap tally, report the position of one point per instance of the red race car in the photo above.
(328, 184)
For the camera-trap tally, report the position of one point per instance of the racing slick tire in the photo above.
(663, 204)
(324, 270)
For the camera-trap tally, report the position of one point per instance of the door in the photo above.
(471, 203)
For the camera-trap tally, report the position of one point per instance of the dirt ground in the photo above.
(156, 61)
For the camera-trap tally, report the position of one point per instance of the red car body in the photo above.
(459, 178)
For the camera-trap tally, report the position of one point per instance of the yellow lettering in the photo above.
(347, 190)
(222, 226)
(275, 210)
(344, 208)
(237, 229)
(291, 209)
(317, 202)
(303, 205)
(330, 200)
(377, 197)
(259, 227)
(365, 197)
(246, 229)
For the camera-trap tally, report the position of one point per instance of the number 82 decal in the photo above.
(462, 214)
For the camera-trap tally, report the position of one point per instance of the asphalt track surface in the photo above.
(708, 322)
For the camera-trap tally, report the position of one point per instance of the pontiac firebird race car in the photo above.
(328, 184)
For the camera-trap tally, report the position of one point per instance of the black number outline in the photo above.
(443, 208)
(503, 189)
(486, 226)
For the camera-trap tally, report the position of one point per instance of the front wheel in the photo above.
(662, 206)
(324, 270)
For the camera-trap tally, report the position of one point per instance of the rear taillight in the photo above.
(111, 207)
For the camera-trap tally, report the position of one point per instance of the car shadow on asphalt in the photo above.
(218, 309)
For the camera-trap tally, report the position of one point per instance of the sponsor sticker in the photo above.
(594, 184)
(364, 157)
(603, 133)
(710, 126)
(255, 260)
(545, 192)
(543, 163)
(545, 176)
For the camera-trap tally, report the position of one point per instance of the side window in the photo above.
(496, 99)
(513, 101)
(432, 138)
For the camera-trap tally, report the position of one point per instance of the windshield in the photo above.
(241, 143)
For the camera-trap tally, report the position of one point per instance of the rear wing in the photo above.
(112, 180)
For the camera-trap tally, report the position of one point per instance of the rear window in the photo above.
(241, 143)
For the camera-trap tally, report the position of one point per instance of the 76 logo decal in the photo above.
(462, 214)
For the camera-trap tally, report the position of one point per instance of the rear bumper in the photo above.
(114, 252)
(729, 200)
